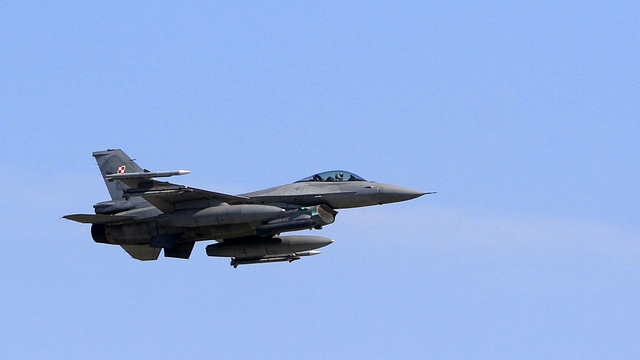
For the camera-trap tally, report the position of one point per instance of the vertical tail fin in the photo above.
(115, 161)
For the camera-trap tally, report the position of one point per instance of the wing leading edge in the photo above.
(167, 196)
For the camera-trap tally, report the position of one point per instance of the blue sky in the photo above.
(524, 118)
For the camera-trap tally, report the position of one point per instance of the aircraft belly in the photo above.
(220, 232)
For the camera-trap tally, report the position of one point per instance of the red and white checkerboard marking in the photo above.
(121, 169)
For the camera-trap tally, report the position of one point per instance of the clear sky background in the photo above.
(524, 117)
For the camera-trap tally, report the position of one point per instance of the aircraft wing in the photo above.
(165, 196)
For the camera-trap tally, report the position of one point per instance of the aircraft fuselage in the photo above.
(146, 215)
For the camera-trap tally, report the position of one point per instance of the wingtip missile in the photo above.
(146, 175)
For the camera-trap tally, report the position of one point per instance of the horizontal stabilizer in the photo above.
(98, 219)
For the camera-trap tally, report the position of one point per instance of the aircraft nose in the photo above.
(393, 193)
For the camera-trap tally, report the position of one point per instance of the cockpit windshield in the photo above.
(333, 176)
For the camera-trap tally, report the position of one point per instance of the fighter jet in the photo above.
(145, 215)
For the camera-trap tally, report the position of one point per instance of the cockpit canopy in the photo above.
(333, 176)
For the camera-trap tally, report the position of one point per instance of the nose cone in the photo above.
(393, 193)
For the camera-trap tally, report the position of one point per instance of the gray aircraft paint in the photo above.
(145, 215)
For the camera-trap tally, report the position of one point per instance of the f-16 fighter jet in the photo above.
(145, 215)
